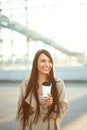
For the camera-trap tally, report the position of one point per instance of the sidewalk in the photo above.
(78, 124)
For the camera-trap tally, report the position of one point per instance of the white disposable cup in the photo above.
(46, 86)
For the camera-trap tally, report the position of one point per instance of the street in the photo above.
(77, 96)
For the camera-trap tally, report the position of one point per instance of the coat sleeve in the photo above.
(63, 101)
(21, 94)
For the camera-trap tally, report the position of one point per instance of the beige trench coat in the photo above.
(52, 123)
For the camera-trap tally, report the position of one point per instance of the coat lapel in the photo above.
(31, 100)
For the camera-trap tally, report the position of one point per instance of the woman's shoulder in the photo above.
(24, 83)
(59, 80)
(60, 83)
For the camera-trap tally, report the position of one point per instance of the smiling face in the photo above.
(44, 64)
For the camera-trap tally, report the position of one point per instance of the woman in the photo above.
(34, 111)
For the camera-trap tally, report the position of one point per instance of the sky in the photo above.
(66, 23)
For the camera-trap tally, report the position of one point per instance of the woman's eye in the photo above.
(42, 60)
(46, 61)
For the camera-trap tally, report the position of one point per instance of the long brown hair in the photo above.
(33, 86)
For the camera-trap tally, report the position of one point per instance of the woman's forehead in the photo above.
(42, 55)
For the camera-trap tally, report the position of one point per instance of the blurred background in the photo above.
(29, 25)
(59, 26)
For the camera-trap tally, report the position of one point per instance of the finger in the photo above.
(49, 99)
(49, 102)
(49, 95)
